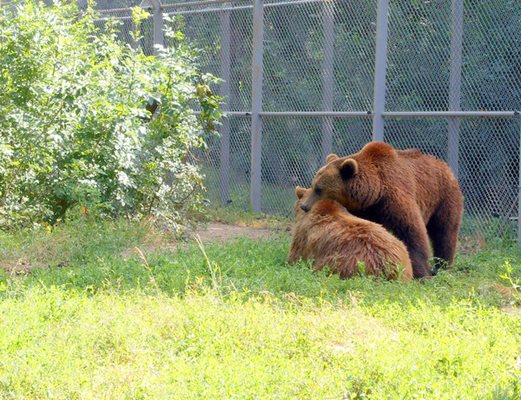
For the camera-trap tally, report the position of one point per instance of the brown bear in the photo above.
(412, 194)
(329, 235)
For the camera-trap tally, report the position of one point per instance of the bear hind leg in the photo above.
(443, 229)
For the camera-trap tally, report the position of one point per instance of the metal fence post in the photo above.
(256, 104)
(328, 27)
(455, 84)
(133, 42)
(519, 193)
(157, 21)
(380, 67)
(225, 93)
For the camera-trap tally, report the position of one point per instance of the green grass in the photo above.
(234, 321)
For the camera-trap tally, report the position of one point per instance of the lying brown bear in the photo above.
(330, 236)
(408, 192)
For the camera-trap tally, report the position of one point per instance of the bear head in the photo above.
(302, 194)
(353, 181)
(323, 207)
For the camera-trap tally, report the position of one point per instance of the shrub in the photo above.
(76, 132)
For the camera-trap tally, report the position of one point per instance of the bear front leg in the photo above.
(412, 232)
(294, 255)
(297, 249)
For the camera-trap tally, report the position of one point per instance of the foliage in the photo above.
(513, 281)
(234, 321)
(77, 125)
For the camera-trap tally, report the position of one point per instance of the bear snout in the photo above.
(304, 207)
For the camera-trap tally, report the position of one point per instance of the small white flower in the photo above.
(124, 179)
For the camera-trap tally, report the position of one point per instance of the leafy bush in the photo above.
(76, 127)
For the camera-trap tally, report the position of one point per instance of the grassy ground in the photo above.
(83, 316)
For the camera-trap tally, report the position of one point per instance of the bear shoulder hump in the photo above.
(410, 152)
(378, 149)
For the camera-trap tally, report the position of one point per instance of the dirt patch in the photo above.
(512, 310)
(471, 245)
(214, 232)
(19, 267)
(220, 233)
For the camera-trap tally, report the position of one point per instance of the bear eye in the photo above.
(318, 190)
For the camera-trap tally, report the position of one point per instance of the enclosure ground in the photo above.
(230, 319)
(217, 232)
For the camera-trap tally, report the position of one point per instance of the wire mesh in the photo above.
(428, 135)
(293, 56)
(319, 55)
(350, 135)
(354, 49)
(113, 4)
(238, 174)
(292, 153)
(222, 33)
(418, 56)
(491, 75)
(489, 166)
(241, 38)
(201, 27)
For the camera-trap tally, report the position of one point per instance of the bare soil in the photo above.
(217, 232)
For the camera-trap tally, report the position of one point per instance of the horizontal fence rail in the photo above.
(452, 114)
(303, 78)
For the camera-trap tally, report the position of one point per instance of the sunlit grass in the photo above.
(235, 321)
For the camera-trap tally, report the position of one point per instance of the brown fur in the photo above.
(412, 194)
(331, 236)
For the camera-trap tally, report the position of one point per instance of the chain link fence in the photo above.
(303, 78)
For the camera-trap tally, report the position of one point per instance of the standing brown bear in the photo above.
(408, 192)
(330, 235)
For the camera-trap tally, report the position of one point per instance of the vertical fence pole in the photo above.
(157, 17)
(328, 21)
(456, 50)
(256, 104)
(380, 67)
(225, 93)
(519, 193)
(133, 42)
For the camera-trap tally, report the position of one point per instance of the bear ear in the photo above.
(300, 191)
(331, 157)
(348, 169)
